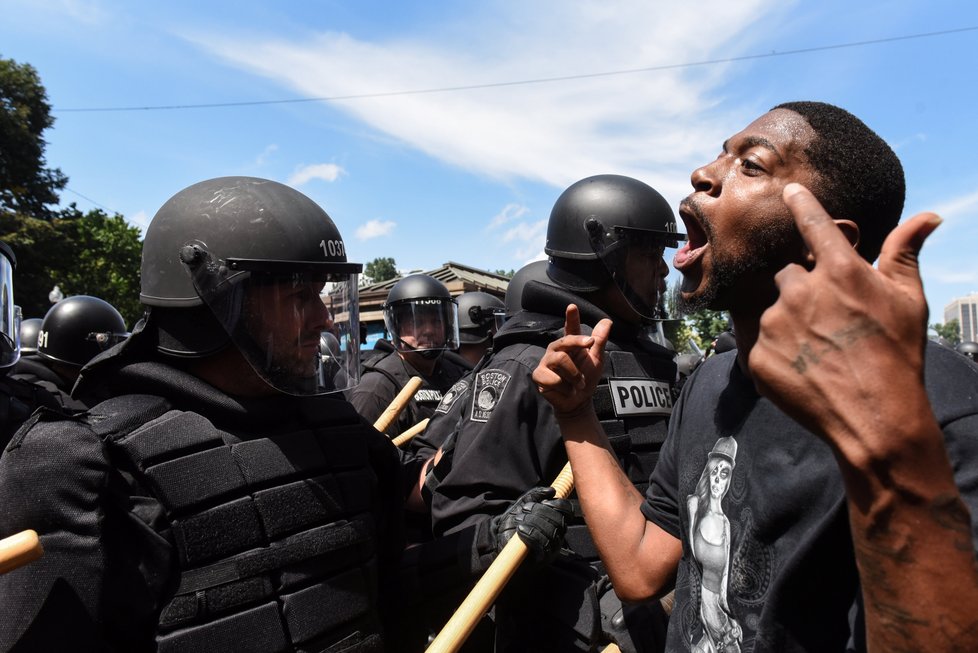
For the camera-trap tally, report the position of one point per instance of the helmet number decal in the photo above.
(42, 338)
(332, 247)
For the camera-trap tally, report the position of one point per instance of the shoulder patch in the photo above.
(453, 394)
(488, 390)
(640, 397)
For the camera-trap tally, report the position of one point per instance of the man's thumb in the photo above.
(898, 258)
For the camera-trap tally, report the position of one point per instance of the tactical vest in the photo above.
(633, 402)
(274, 536)
(424, 402)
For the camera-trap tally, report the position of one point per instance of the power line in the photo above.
(524, 82)
(89, 199)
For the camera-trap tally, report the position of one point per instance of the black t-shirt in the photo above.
(771, 565)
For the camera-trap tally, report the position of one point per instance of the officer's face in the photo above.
(425, 331)
(646, 270)
(285, 319)
(740, 231)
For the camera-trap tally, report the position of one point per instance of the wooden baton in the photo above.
(19, 549)
(400, 401)
(408, 435)
(482, 596)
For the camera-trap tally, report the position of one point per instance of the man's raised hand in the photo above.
(571, 368)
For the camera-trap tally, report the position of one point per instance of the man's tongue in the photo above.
(682, 256)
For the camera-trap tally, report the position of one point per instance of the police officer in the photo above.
(479, 317)
(28, 337)
(605, 238)
(73, 332)
(18, 398)
(968, 349)
(221, 498)
(422, 318)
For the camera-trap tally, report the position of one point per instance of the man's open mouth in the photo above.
(696, 235)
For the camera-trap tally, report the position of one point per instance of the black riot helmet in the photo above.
(258, 264)
(78, 328)
(28, 335)
(535, 271)
(479, 316)
(611, 228)
(421, 316)
(9, 312)
(968, 349)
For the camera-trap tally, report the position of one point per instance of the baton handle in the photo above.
(19, 549)
(408, 435)
(400, 401)
(482, 596)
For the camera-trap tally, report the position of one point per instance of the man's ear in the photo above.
(851, 231)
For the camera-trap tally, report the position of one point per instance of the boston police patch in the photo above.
(488, 390)
(456, 391)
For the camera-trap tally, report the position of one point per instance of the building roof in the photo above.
(457, 278)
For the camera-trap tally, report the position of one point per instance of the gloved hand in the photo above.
(540, 520)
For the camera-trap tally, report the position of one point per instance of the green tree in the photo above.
(505, 273)
(27, 186)
(380, 269)
(83, 253)
(701, 325)
(950, 331)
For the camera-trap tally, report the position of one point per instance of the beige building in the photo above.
(965, 311)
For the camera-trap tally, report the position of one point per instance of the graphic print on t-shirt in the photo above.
(709, 537)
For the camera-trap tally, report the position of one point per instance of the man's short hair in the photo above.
(861, 177)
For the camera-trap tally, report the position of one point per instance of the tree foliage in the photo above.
(702, 325)
(951, 331)
(83, 253)
(27, 185)
(380, 269)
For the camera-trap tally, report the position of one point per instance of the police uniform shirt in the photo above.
(787, 577)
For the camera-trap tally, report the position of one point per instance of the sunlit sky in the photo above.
(520, 99)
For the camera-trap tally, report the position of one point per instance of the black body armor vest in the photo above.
(274, 535)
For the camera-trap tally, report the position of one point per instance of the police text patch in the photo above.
(640, 397)
(456, 391)
(488, 390)
(427, 396)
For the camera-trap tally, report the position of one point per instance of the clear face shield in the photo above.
(635, 260)
(427, 326)
(296, 323)
(9, 316)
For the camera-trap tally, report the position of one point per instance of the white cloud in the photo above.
(647, 124)
(267, 152)
(509, 213)
(324, 171)
(375, 229)
(141, 220)
(529, 239)
(958, 206)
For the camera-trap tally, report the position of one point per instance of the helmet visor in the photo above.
(634, 259)
(426, 324)
(9, 316)
(296, 325)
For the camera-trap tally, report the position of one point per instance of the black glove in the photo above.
(540, 520)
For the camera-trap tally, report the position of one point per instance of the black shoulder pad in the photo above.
(120, 415)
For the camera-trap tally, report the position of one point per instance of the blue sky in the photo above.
(470, 175)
